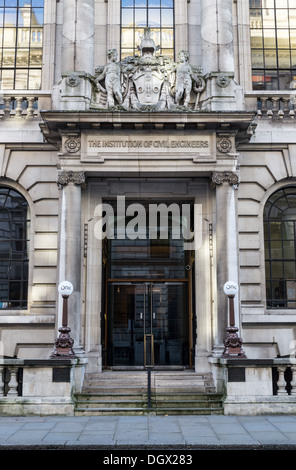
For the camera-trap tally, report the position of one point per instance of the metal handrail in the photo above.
(149, 362)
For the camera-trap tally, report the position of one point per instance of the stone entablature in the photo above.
(117, 140)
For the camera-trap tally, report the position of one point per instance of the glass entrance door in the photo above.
(137, 311)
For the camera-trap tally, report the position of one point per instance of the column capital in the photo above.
(231, 177)
(68, 176)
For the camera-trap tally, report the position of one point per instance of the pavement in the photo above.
(115, 436)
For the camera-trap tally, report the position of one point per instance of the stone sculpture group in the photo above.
(147, 82)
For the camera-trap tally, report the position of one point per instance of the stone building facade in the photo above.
(109, 103)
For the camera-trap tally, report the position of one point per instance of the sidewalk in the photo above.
(149, 432)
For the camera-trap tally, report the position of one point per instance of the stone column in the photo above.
(217, 36)
(70, 183)
(218, 55)
(78, 36)
(226, 248)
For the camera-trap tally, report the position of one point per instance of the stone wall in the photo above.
(266, 165)
(29, 166)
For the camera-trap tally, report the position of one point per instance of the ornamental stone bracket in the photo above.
(220, 177)
(65, 177)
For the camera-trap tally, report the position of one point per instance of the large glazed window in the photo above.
(280, 261)
(139, 14)
(273, 43)
(13, 249)
(21, 39)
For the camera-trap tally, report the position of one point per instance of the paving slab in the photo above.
(149, 432)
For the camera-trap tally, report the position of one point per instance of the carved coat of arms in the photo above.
(147, 82)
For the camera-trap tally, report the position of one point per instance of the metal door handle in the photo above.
(153, 315)
(141, 316)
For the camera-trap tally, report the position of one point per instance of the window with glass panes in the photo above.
(280, 237)
(273, 43)
(14, 249)
(136, 15)
(21, 39)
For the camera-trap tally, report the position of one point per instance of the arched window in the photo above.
(280, 262)
(13, 249)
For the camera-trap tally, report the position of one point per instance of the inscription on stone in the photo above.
(148, 144)
(96, 146)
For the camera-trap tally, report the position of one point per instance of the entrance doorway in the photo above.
(148, 317)
(148, 292)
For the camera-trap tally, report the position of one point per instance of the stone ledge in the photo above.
(268, 319)
(256, 405)
(27, 319)
(246, 362)
(22, 406)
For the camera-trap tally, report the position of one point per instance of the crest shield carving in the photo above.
(148, 85)
(148, 82)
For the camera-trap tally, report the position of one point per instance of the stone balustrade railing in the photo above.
(284, 382)
(10, 380)
(23, 104)
(256, 386)
(272, 104)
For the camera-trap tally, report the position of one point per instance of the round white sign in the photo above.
(65, 288)
(230, 288)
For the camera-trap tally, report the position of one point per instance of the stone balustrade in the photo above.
(20, 104)
(284, 380)
(41, 386)
(10, 380)
(257, 386)
(272, 104)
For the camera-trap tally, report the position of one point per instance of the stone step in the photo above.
(142, 375)
(185, 396)
(141, 411)
(163, 404)
(110, 411)
(180, 405)
(126, 392)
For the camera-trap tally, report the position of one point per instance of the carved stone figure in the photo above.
(184, 77)
(147, 82)
(111, 74)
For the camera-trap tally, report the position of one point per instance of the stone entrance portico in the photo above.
(178, 155)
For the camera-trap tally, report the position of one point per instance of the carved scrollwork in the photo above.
(64, 177)
(220, 177)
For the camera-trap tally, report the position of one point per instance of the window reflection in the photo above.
(138, 14)
(21, 41)
(156, 253)
(273, 61)
(279, 234)
(154, 18)
(13, 249)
